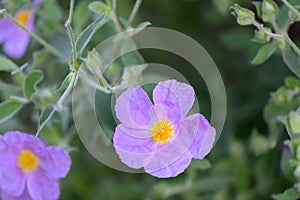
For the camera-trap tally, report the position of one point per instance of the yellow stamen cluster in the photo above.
(27, 161)
(22, 17)
(162, 131)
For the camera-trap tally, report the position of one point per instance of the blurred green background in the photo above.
(236, 171)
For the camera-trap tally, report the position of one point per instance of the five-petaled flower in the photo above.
(29, 170)
(159, 137)
(15, 40)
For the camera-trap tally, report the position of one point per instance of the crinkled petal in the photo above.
(41, 187)
(55, 161)
(19, 140)
(204, 139)
(12, 180)
(24, 196)
(174, 168)
(184, 134)
(177, 98)
(132, 107)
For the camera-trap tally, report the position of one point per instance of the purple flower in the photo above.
(15, 40)
(29, 169)
(159, 137)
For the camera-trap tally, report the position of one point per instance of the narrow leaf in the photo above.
(264, 53)
(30, 83)
(7, 65)
(258, 6)
(84, 38)
(99, 8)
(292, 61)
(8, 109)
(289, 194)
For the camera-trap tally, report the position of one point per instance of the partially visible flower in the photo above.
(29, 169)
(159, 138)
(15, 40)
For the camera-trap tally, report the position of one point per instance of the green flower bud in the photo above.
(243, 16)
(269, 10)
(292, 14)
(261, 37)
(294, 119)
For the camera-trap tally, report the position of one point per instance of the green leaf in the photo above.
(30, 83)
(264, 53)
(243, 16)
(292, 14)
(289, 194)
(100, 8)
(80, 15)
(292, 83)
(45, 117)
(292, 61)
(201, 164)
(8, 109)
(39, 59)
(84, 38)
(270, 10)
(7, 65)
(65, 83)
(258, 6)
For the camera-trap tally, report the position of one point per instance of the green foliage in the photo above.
(269, 10)
(264, 53)
(243, 16)
(31, 82)
(8, 109)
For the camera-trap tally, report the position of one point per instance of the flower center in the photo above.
(22, 17)
(27, 161)
(161, 131)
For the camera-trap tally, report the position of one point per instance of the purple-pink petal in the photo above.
(204, 139)
(174, 168)
(177, 98)
(132, 107)
(41, 186)
(6, 29)
(12, 180)
(55, 162)
(24, 196)
(21, 141)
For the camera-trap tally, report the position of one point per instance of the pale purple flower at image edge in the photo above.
(14, 39)
(160, 138)
(29, 170)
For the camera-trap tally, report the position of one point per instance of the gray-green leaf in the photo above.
(7, 65)
(264, 53)
(30, 83)
(289, 194)
(99, 8)
(292, 61)
(243, 16)
(8, 109)
(84, 38)
(258, 6)
(269, 10)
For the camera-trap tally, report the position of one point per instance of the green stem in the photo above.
(134, 11)
(60, 101)
(71, 35)
(261, 27)
(292, 44)
(294, 10)
(116, 22)
(35, 36)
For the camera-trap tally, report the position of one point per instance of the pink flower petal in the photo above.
(174, 168)
(132, 107)
(56, 162)
(24, 196)
(6, 29)
(12, 180)
(177, 98)
(204, 139)
(41, 187)
(19, 140)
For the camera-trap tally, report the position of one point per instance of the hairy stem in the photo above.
(134, 11)
(71, 35)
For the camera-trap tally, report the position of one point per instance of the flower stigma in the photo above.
(162, 131)
(27, 161)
